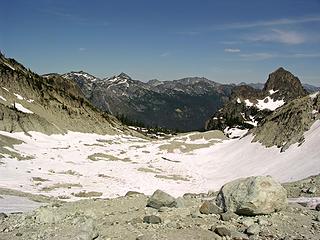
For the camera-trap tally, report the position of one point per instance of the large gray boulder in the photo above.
(252, 196)
(161, 199)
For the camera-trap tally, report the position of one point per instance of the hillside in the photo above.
(52, 104)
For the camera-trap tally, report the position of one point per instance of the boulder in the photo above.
(222, 231)
(209, 207)
(161, 199)
(227, 216)
(252, 196)
(253, 229)
(152, 219)
(3, 215)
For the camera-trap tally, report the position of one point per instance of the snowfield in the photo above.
(111, 165)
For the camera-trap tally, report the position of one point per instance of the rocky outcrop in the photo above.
(289, 86)
(252, 196)
(247, 106)
(288, 124)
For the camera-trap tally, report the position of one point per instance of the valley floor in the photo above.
(78, 165)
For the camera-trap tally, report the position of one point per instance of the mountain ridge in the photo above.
(49, 104)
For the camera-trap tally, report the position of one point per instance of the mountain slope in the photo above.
(247, 106)
(286, 125)
(50, 104)
(180, 104)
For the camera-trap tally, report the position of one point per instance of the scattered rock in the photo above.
(209, 207)
(132, 193)
(3, 215)
(180, 202)
(248, 222)
(152, 219)
(222, 231)
(48, 215)
(235, 235)
(318, 207)
(87, 230)
(161, 199)
(196, 214)
(312, 190)
(263, 222)
(253, 229)
(252, 196)
(227, 216)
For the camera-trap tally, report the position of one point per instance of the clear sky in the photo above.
(225, 41)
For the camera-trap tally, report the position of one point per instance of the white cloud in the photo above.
(165, 54)
(280, 36)
(82, 49)
(270, 23)
(232, 50)
(265, 55)
(258, 56)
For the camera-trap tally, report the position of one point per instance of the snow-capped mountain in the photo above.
(84, 80)
(180, 104)
(248, 106)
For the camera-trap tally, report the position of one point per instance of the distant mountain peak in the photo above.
(124, 76)
(286, 82)
(80, 74)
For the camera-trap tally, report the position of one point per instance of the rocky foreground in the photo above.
(251, 208)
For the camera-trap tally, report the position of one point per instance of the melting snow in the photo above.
(252, 122)
(2, 98)
(272, 91)
(22, 108)
(235, 132)
(131, 163)
(5, 89)
(9, 66)
(314, 95)
(238, 100)
(18, 96)
(269, 103)
(248, 103)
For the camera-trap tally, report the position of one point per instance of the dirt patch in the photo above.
(84, 194)
(60, 185)
(106, 157)
(174, 177)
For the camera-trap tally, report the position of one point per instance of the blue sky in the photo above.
(225, 41)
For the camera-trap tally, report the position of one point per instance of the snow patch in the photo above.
(206, 167)
(313, 95)
(253, 122)
(5, 89)
(235, 132)
(21, 108)
(248, 103)
(269, 103)
(2, 98)
(7, 64)
(18, 96)
(273, 91)
(238, 100)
